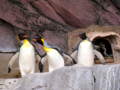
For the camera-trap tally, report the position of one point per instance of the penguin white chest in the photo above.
(85, 54)
(27, 59)
(55, 60)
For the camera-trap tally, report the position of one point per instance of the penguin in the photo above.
(27, 54)
(102, 48)
(55, 56)
(85, 52)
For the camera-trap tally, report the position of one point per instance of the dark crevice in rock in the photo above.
(31, 3)
(48, 26)
(17, 3)
(99, 5)
(116, 3)
(38, 87)
(94, 76)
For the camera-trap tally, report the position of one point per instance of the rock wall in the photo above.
(77, 77)
(53, 18)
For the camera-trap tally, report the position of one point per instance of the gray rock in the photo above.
(7, 37)
(107, 77)
(77, 77)
(36, 81)
(9, 84)
(71, 78)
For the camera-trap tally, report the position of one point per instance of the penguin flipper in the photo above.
(74, 54)
(37, 55)
(99, 55)
(68, 60)
(12, 60)
(43, 60)
(97, 47)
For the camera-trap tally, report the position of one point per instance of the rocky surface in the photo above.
(71, 78)
(9, 84)
(77, 77)
(25, 18)
(7, 37)
(53, 18)
(107, 77)
(39, 82)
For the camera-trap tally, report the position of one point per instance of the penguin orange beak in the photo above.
(77, 36)
(34, 39)
(25, 36)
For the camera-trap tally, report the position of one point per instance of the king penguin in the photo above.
(54, 55)
(102, 48)
(85, 52)
(27, 54)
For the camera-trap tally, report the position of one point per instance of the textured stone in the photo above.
(107, 77)
(9, 84)
(75, 77)
(38, 17)
(82, 13)
(47, 10)
(24, 18)
(35, 81)
(117, 3)
(7, 37)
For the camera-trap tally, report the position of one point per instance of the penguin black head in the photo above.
(21, 36)
(40, 40)
(83, 36)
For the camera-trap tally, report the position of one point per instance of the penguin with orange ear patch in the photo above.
(26, 54)
(55, 56)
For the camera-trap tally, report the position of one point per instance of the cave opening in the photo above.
(103, 46)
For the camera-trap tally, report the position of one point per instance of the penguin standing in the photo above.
(27, 54)
(86, 51)
(54, 55)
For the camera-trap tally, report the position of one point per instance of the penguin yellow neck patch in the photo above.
(26, 42)
(47, 49)
(85, 40)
